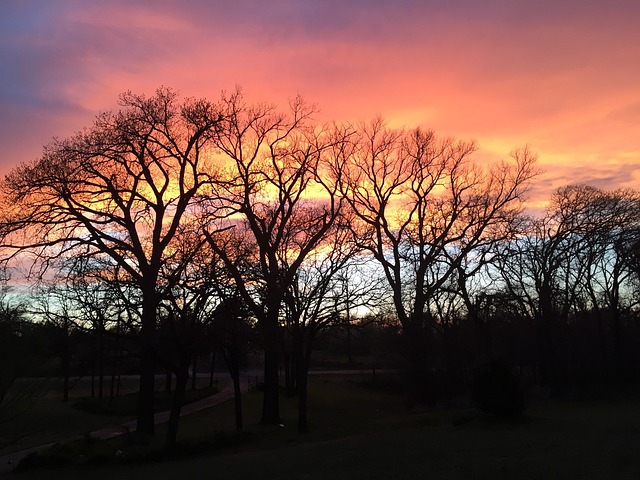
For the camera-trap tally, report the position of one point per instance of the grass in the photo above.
(360, 433)
(126, 405)
(40, 417)
(35, 414)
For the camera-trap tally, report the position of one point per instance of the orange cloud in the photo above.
(561, 77)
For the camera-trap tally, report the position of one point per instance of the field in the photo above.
(364, 433)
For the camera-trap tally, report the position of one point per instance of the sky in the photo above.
(559, 76)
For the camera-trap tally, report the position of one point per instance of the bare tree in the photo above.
(233, 335)
(318, 298)
(426, 207)
(572, 260)
(93, 295)
(610, 220)
(186, 314)
(12, 326)
(118, 190)
(56, 310)
(276, 183)
(537, 269)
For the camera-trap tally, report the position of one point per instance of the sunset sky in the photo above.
(562, 76)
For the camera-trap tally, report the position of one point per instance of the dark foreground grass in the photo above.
(35, 414)
(364, 434)
(126, 405)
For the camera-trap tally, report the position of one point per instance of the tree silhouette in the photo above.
(572, 261)
(14, 347)
(118, 190)
(276, 168)
(315, 301)
(425, 207)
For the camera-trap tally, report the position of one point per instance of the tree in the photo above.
(571, 261)
(186, 310)
(23, 353)
(538, 270)
(118, 190)
(277, 184)
(94, 296)
(610, 220)
(233, 333)
(15, 353)
(425, 207)
(57, 311)
(315, 301)
(475, 280)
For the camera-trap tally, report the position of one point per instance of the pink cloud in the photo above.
(561, 77)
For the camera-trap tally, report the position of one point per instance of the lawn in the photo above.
(33, 413)
(359, 433)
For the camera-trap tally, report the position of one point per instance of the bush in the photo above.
(497, 391)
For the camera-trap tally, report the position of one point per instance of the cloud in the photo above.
(558, 76)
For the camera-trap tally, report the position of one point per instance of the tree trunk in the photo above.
(100, 364)
(616, 331)
(194, 373)
(602, 343)
(303, 395)
(548, 366)
(93, 366)
(349, 348)
(415, 349)
(303, 362)
(112, 385)
(237, 398)
(168, 381)
(289, 384)
(271, 400)
(115, 366)
(145, 422)
(65, 360)
(65, 377)
(232, 359)
(487, 344)
(182, 376)
(212, 368)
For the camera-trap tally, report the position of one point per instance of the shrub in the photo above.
(497, 391)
